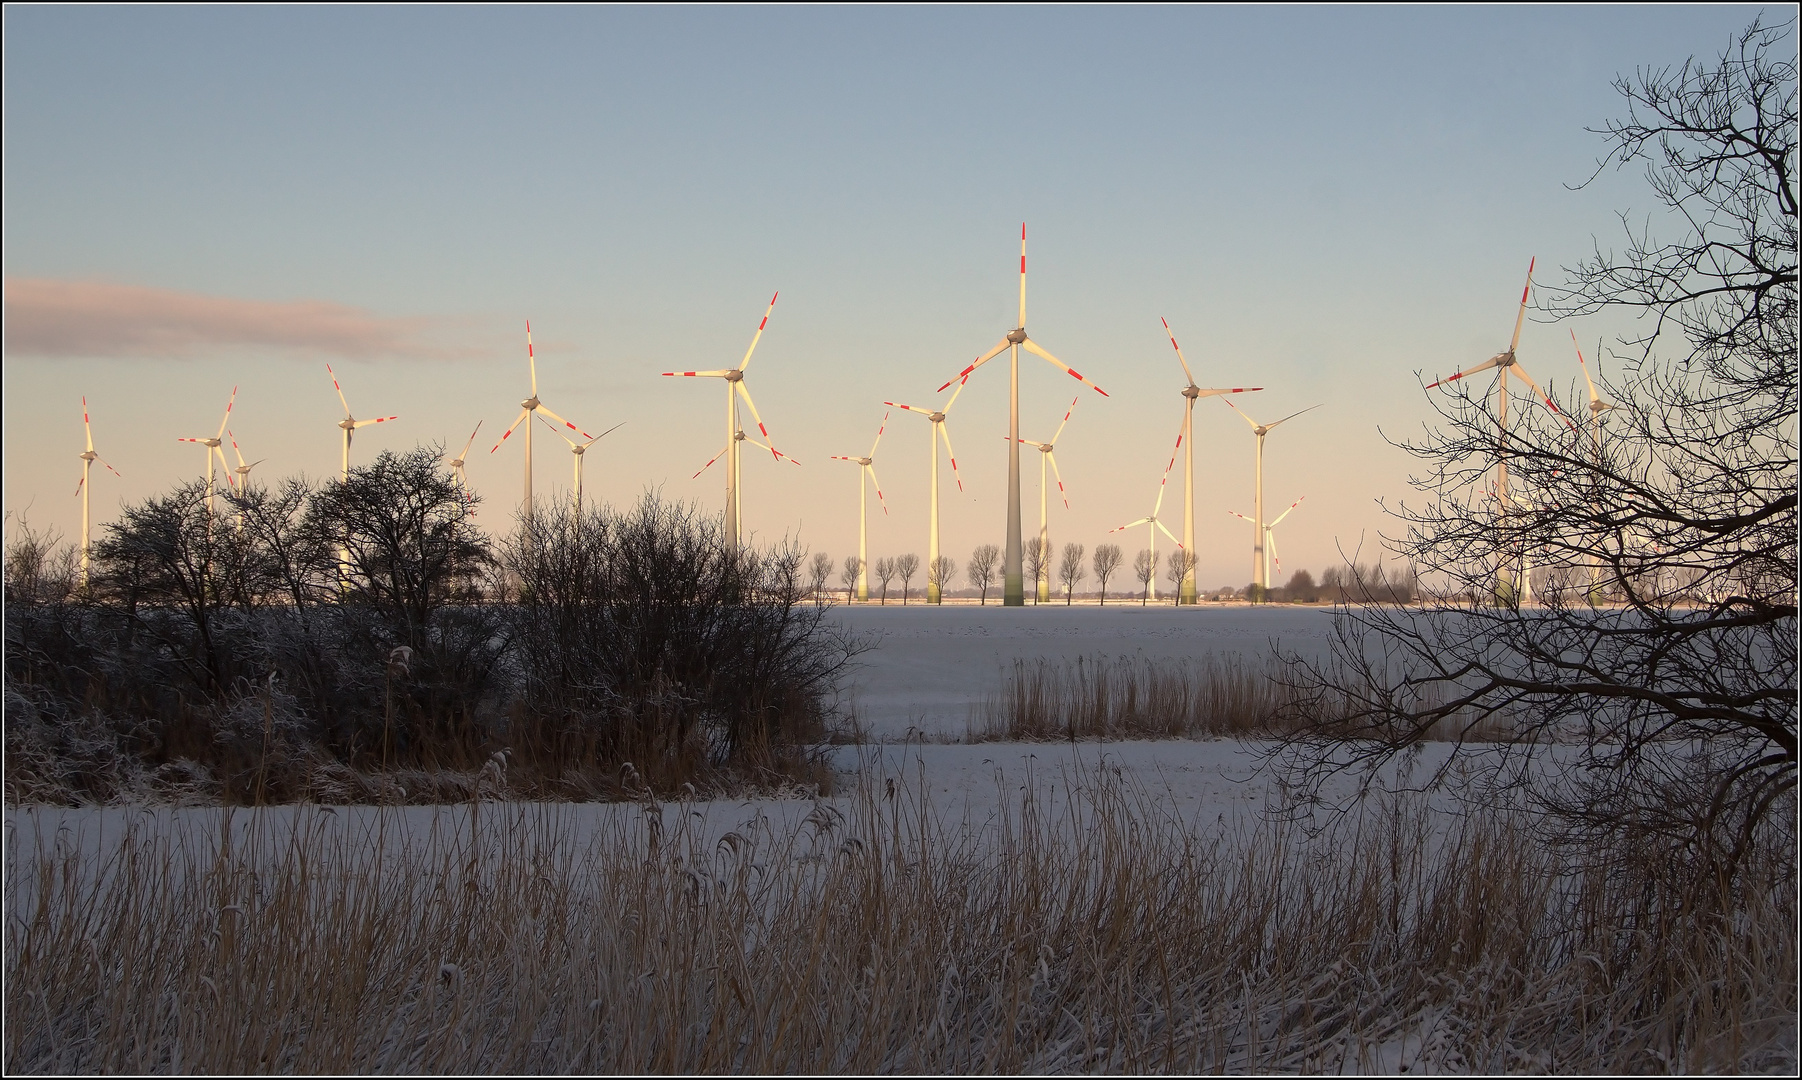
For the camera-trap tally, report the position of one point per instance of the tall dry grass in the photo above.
(875, 937)
(1131, 697)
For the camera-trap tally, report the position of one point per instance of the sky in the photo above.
(1336, 204)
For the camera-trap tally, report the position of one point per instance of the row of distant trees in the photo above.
(1358, 583)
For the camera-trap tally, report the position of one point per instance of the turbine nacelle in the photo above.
(348, 424)
(1016, 336)
(733, 375)
(531, 403)
(1192, 391)
(90, 456)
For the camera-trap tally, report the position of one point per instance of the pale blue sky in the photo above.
(1322, 201)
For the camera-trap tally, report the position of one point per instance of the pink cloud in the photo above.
(46, 317)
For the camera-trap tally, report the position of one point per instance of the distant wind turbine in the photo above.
(1260, 563)
(213, 451)
(1013, 587)
(1186, 594)
(1512, 580)
(735, 389)
(85, 489)
(939, 431)
(457, 463)
(1154, 525)
(1046, 456)
(350, 424)
(576, 450)
(1270, 537)
(526, 408)
(866, 470)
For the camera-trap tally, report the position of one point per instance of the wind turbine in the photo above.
(1269, 532)
(1013, 586)
(1151, 520)
(735, 389)
(350, 424)
(85, 489)
(213, 450)
(867, 468)
(939, 430)
(526, 409)
(1596, 408)
(242, 470)
(1508, 588)
(1259, 563)
(1192, 394)
(457, 462)
(577, 449)
(1045, 455)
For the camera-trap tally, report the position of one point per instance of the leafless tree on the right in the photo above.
(1035, 564)
(1070, 570)
(847, 576)
(885, 573)
(820, 572)
(1145, 568)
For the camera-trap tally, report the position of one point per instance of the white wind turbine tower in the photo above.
(1192, 394)
(939, 431)
(1512, 582)
(577, 449)
(526, 408)
(457, 463)
(735, 389)
(85, 489)
(1045, 455)
(1269, 532)
(1013, 592)
(1260, 564)
(213, 451)
(866, 468)
(350, 424)
(1153, 524)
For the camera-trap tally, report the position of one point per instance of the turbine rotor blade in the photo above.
(1543, 396)
(109, 468)
(711, 460)
(227, 418)
(1241, 412)
(879, 430)
(470, 443)
(1179, 351)
(1293, 415)
(1000, 348)
(1285, 513)
(1270, 538)
(557, 429)
(719, 374)
(565, 423)
(604, 434)
(1032, 346)
(1132, 525)
(89, 428)
(759, 334)
(235, 450)
(340, 389)
(531, 358)
(909, 408)
(523, 413)
(1593, 396)
(961, 383)
(1484, 366)
(377, 420)
(1521, 317)
(1168, 533)
(1217, 391)
(1062, 494)
(1067, 412)
(877, 484)
(945, 430)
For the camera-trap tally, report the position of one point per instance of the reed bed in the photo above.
(875, 936)
(1131, 697)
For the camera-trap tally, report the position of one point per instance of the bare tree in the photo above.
(1667, 644)
(1145, 568)
(1071, 570)
(1177, 567)
(942, 572)
(983, 562)
(1301, 587)
(885, 573)
(1036, 556)
(1107, 560)
(906, 566)
(848, 576)
(819, 572)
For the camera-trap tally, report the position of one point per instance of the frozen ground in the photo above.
(930, 664)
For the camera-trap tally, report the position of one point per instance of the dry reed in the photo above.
(1131, 697)
(1100, 937)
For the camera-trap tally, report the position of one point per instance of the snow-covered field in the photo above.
(930, 664)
